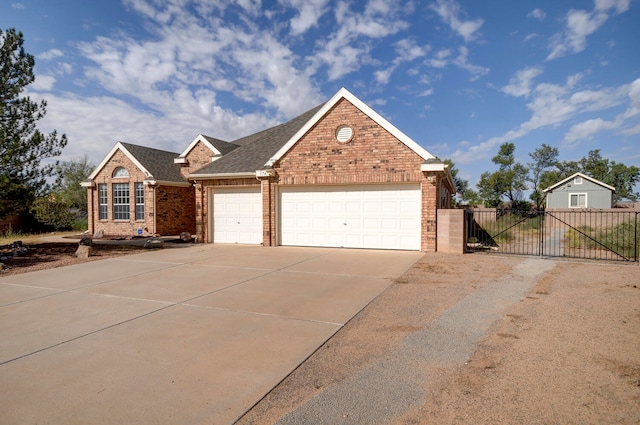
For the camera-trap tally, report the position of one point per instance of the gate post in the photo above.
(451, 231)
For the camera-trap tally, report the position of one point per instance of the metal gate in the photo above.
(588, 234)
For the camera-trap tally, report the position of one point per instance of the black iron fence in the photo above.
(589, 234)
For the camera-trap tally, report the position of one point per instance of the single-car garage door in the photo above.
(236, 215)
(363, 216)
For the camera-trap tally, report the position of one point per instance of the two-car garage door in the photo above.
(362, 216)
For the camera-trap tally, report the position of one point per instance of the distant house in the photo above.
(580, 191)
(338, 175)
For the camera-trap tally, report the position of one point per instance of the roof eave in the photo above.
(211, 176)
(344, 93)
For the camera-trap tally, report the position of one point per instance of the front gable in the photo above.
(118, 155)
(346, 142)
(344, 94)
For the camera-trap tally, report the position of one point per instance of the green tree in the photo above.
(69, 175)
(53, 211)
(22, 145)
(542, 171)
(464, 193)
(508, 182)
(622, 177)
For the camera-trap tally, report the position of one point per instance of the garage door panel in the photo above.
(366, 216)
(237, 215)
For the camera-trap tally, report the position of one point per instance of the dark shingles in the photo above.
(222, 146)
(255, 150)
(157, 162)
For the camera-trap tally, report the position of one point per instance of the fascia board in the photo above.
(200, 138)
(344, 93)
(584, 176)
(108, 157)
(166, 183)
(221, 176)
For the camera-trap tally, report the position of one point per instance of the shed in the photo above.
(580, 191)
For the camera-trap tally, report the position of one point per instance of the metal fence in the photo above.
(589, 234)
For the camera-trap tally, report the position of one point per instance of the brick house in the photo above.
(138, 190)
(338, 175)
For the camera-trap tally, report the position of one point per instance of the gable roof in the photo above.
(584, 176)
(218, 147)
(345, 94)
(156, 164)
(256, 149)
(261, 150)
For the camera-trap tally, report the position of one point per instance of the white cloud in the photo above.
(189, 57)
(309, 12)
(451, 12)
(347, 49)
(580, 24)
(531, 36)
(50, 54)
(425, 93)
(520, 84)
(586, 129)
(407, 51)
(620, 5)
(537, 14)
(17, 6)
(552, 105)
(443, 58)
(43, 82)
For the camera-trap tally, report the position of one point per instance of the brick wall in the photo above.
(176, 210)
(373, 155)
(199, 156)
(202, 193)
(176, 205)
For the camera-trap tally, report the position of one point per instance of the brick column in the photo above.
(429, 212)
(200, 214)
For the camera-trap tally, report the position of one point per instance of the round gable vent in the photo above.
(344, 133)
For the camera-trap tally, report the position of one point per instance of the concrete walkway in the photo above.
(189, 335)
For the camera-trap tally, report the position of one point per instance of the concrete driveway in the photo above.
(187, 335)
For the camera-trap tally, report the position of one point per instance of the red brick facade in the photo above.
(373, 155)
(376, 153)
(199, 156)
(168, 210)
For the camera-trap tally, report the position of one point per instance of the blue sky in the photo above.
(460, 77)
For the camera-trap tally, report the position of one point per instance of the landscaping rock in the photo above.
(86, 241)
(99, 234)
(4, 267)
(186, 237)
(84, 251)
(154, 243)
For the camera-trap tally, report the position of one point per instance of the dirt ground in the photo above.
(46, 255)
(569, 353)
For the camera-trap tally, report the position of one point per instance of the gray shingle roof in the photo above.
(221, 145)
(255, 150)
(158, 162)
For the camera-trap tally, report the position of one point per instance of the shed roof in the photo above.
(584, 176)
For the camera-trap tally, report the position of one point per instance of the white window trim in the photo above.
(577, 180)
(586, 199)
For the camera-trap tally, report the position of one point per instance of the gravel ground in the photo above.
(478, 339)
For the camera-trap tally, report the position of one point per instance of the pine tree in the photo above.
(22, 145)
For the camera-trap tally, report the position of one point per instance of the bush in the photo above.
(53, 212)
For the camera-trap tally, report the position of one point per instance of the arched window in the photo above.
(120, 172)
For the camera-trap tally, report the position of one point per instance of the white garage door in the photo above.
(371, 216)
(237, 215)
